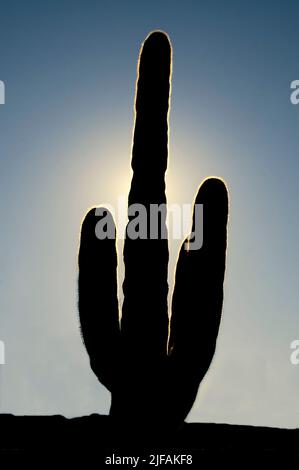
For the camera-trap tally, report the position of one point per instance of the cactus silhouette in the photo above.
(153, 365)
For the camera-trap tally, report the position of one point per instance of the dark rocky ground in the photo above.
(93, 437)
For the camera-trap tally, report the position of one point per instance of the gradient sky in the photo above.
(65, 137)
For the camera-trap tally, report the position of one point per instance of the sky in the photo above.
(69, 69)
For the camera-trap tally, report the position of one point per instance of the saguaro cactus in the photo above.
(153, 369)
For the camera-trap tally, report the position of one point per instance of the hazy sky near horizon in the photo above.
(65, 137)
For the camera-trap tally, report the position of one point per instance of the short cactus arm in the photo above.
(198, 297)
(98, 303)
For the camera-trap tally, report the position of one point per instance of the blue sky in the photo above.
(65, 137)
